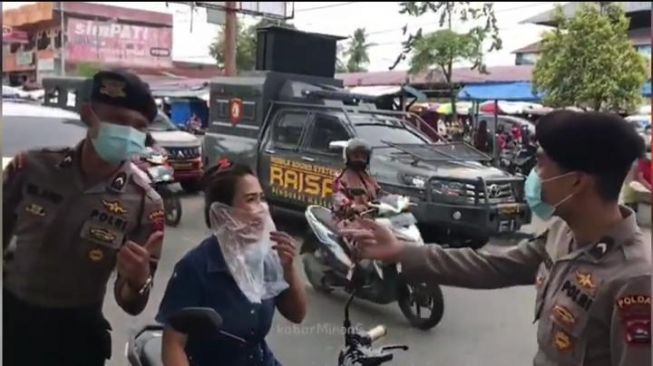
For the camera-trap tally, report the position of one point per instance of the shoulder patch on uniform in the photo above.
(139, 176)
(635, 312)
(119, 181)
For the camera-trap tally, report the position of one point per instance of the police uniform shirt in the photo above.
(593, 302)
(68, 236)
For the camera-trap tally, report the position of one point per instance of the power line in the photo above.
(326, 6)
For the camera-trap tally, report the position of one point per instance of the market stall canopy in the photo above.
(462, 108)
(509, 107)
(517, 91)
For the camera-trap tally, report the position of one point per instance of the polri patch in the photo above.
(635, 312)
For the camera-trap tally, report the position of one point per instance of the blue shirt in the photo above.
(202, 279)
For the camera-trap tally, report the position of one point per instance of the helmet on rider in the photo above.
(357, 154)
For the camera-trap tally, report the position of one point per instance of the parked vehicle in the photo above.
(184, 151)
(327, 262)
(284, 127)
(144, 346)
(162, 176)
(27, 126)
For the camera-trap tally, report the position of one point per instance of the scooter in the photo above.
(144, 346)
(162, 176)
(327, 262)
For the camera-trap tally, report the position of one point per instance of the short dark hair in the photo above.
(601, 144)
(220, 182)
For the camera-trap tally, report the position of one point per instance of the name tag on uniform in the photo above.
(102, 235)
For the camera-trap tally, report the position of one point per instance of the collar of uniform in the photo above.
(614, 238)
(214, 259)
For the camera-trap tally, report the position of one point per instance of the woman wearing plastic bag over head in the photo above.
(243, 271)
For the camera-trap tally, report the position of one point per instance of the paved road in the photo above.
(490, 328)
(479, 327)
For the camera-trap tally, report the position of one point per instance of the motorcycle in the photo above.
(327, 262)
(144, 346)
(162, 177)
(518, 160)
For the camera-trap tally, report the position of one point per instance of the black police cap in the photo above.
(123, 89)
(592, 142)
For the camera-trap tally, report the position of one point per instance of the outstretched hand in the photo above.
(374, 241)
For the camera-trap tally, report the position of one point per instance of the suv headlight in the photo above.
(416, 181)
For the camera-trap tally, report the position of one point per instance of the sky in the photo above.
(382, 22)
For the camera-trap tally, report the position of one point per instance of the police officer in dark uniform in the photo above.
(76, 214)
(591, 268)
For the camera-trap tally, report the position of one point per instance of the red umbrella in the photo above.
(488, 107)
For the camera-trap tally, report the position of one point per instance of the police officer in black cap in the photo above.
(591, 267)
(77, 214)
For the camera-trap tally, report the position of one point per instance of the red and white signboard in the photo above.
(9, 35)
(119, 44)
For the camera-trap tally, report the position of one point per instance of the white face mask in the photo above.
(244, 239)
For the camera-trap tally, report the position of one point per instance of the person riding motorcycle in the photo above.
(354, 188)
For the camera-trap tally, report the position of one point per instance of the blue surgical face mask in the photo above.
(116, 143)
(533, 190)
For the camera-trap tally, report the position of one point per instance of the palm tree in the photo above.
(357, 52)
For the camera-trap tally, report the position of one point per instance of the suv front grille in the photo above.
(449, 191)
(183, 153)
(498, 193)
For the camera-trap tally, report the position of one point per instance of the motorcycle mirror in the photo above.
(200, 322)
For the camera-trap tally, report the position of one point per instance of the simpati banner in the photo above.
(118, 44)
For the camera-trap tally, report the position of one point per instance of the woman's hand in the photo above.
(286, 247)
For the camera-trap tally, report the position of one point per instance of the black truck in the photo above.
(291, 129)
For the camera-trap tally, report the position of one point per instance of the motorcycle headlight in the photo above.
(416, 181)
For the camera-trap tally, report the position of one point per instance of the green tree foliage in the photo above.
(589, 62)
(443, 48)
(340, 64)
(245, 44)
(357, 52)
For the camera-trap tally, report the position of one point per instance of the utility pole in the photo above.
(230, 35)
(62, 50)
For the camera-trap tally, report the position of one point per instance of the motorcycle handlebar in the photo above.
(377, 333)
